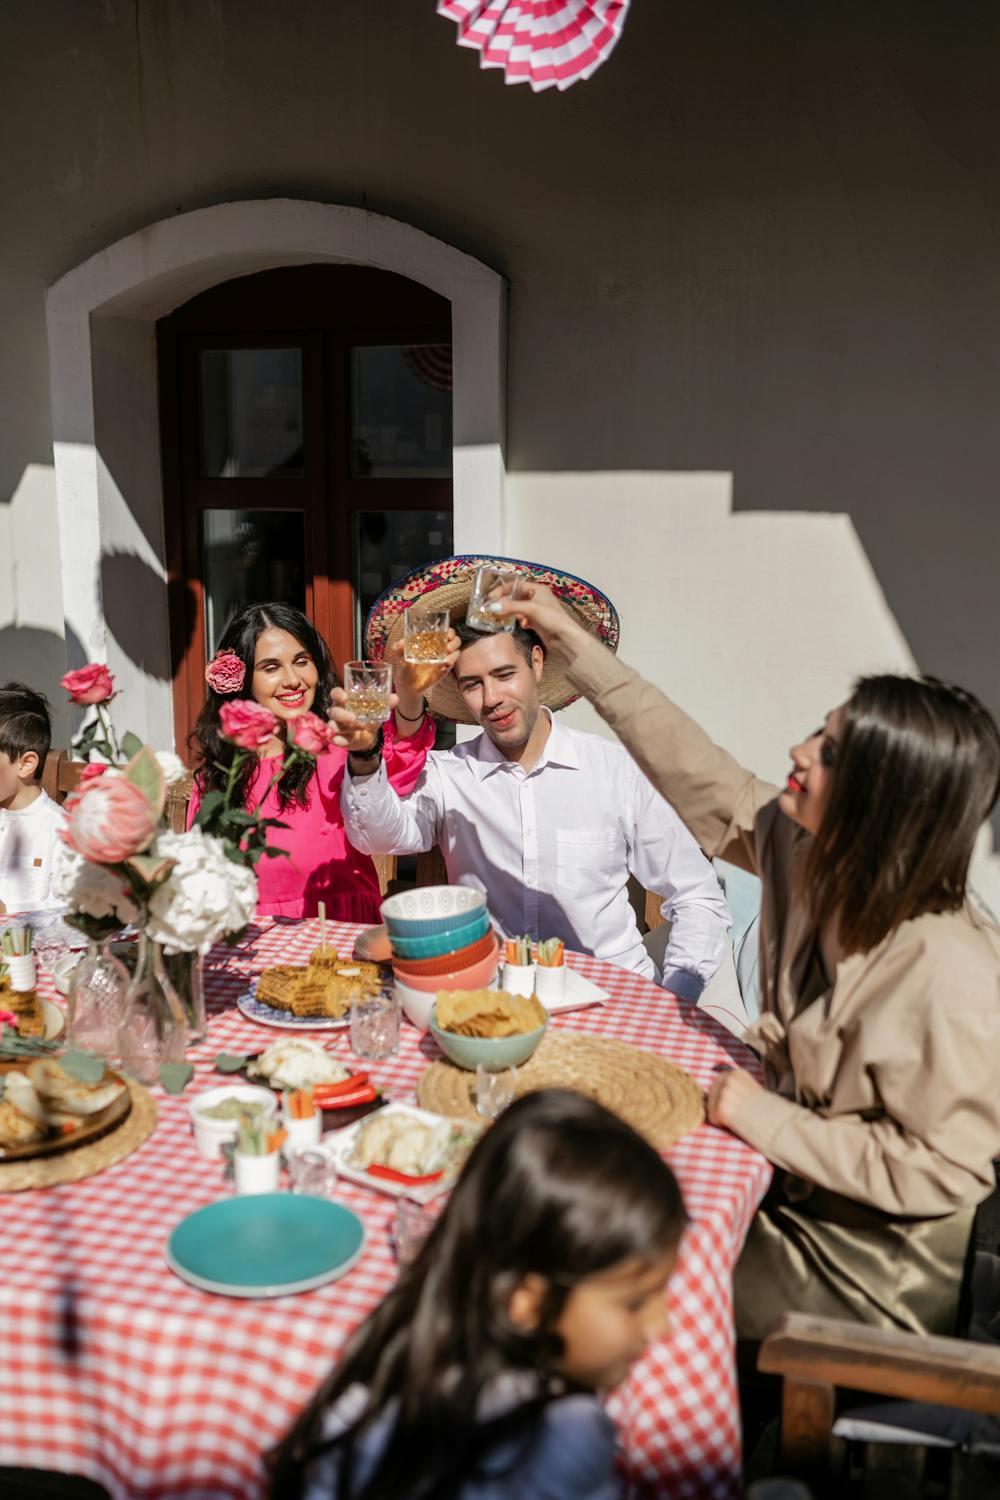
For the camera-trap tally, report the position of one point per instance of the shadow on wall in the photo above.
(39, 658)
(134, 610)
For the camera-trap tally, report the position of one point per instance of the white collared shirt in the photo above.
(553, 847)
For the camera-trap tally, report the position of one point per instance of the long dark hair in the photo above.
(917, 772)
(240, 636)
(559, 1187)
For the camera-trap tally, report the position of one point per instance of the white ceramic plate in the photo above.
(286, 1020)
(580, 992)
(343, 1141)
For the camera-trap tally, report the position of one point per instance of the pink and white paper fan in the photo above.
(542, 42)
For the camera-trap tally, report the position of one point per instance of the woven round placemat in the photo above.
(86, 1161)
(655, 1097)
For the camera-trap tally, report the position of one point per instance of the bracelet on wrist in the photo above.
(375, 751)
(408, 718)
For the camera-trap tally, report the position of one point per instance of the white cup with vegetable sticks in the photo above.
(257, 1156)
(550, 970)
(425, 635)
(489, 586)
(301, 1119)
(368, 687)
(518, 968)
(18, 958)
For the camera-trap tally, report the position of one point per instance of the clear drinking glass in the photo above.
(368, 685)
(411, 1226)
(494, 1091)
(51, 943)
(488, 587)
(97, 991)
(425, 635)
(313, 1171)
(375, 1024)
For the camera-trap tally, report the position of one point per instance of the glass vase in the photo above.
(97, 990)
(153, 1028)
(187, 975)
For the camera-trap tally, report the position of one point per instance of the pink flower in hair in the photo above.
(310, 733)
(246, 724)
(225, 673)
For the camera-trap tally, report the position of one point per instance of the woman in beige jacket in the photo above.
(880, 984)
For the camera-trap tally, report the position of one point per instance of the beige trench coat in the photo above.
(883, 1111)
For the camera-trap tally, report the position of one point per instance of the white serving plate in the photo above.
(343, 1141)
(580, 992)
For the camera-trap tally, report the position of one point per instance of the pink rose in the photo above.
(93, 770)
(225, 673)
(310, 733)
(90, 684)
(109, 820)
(8, 1018)
(247, 724)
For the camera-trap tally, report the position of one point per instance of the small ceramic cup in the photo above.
(256, 1174)
(550, 983)
(519, 979)
(22, 970)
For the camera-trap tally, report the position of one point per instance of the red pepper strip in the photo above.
(391, 1175)
(366, 1094)
(345, 1086)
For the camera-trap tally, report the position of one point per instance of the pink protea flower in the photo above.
(247, 724)
(310, 733)
(90, 684)
(225, 673)
(109, 820)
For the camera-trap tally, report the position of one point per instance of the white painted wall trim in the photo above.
(101, 400)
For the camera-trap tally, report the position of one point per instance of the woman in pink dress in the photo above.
(287, 669)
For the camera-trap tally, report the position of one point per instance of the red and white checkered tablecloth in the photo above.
(112, 1367)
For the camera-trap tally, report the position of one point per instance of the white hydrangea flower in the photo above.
(90, 888)
(172, 766)
(206, 896)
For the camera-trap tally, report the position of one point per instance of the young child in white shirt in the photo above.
(29, 819)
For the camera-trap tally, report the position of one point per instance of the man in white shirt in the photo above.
(29, 819)
(548, 821)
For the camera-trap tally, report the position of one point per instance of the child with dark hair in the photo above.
(272, 654)
(29, 819)
(541, 1284)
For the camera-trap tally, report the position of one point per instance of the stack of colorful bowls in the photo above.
(441, 940)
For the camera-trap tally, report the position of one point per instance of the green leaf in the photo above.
(153, 871)
(208, 806)
(143, 770)
(228, 1062)
(176, 1076)
(240, 818)
(131, 744)
(83, 1066)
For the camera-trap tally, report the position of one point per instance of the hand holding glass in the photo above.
(489, 586)
(368, 686)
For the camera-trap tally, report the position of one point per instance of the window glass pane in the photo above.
(401, 411)
(250, 402)
(388, 543)
(251, 556)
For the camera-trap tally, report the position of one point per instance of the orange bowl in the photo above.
(447, 963)
(473, 977)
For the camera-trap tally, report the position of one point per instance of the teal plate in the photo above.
(265, 1245)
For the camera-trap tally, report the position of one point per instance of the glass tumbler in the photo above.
(313, 1172)
(425, 635)
(494, 1091)
(411, 1226)
(488, 587)
(368, 685)
(375, 1024)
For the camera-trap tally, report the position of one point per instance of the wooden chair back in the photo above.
(61, 775)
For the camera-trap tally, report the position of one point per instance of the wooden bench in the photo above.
(61, 775)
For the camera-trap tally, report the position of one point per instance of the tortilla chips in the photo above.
(488, 1013)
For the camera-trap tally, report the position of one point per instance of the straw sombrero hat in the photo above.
(448, 585)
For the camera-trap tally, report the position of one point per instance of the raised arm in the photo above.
(718, 800)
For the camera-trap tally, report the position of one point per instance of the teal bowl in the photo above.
(494, 1052)
(434, 944)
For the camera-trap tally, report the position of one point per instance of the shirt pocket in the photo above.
(589, 861)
